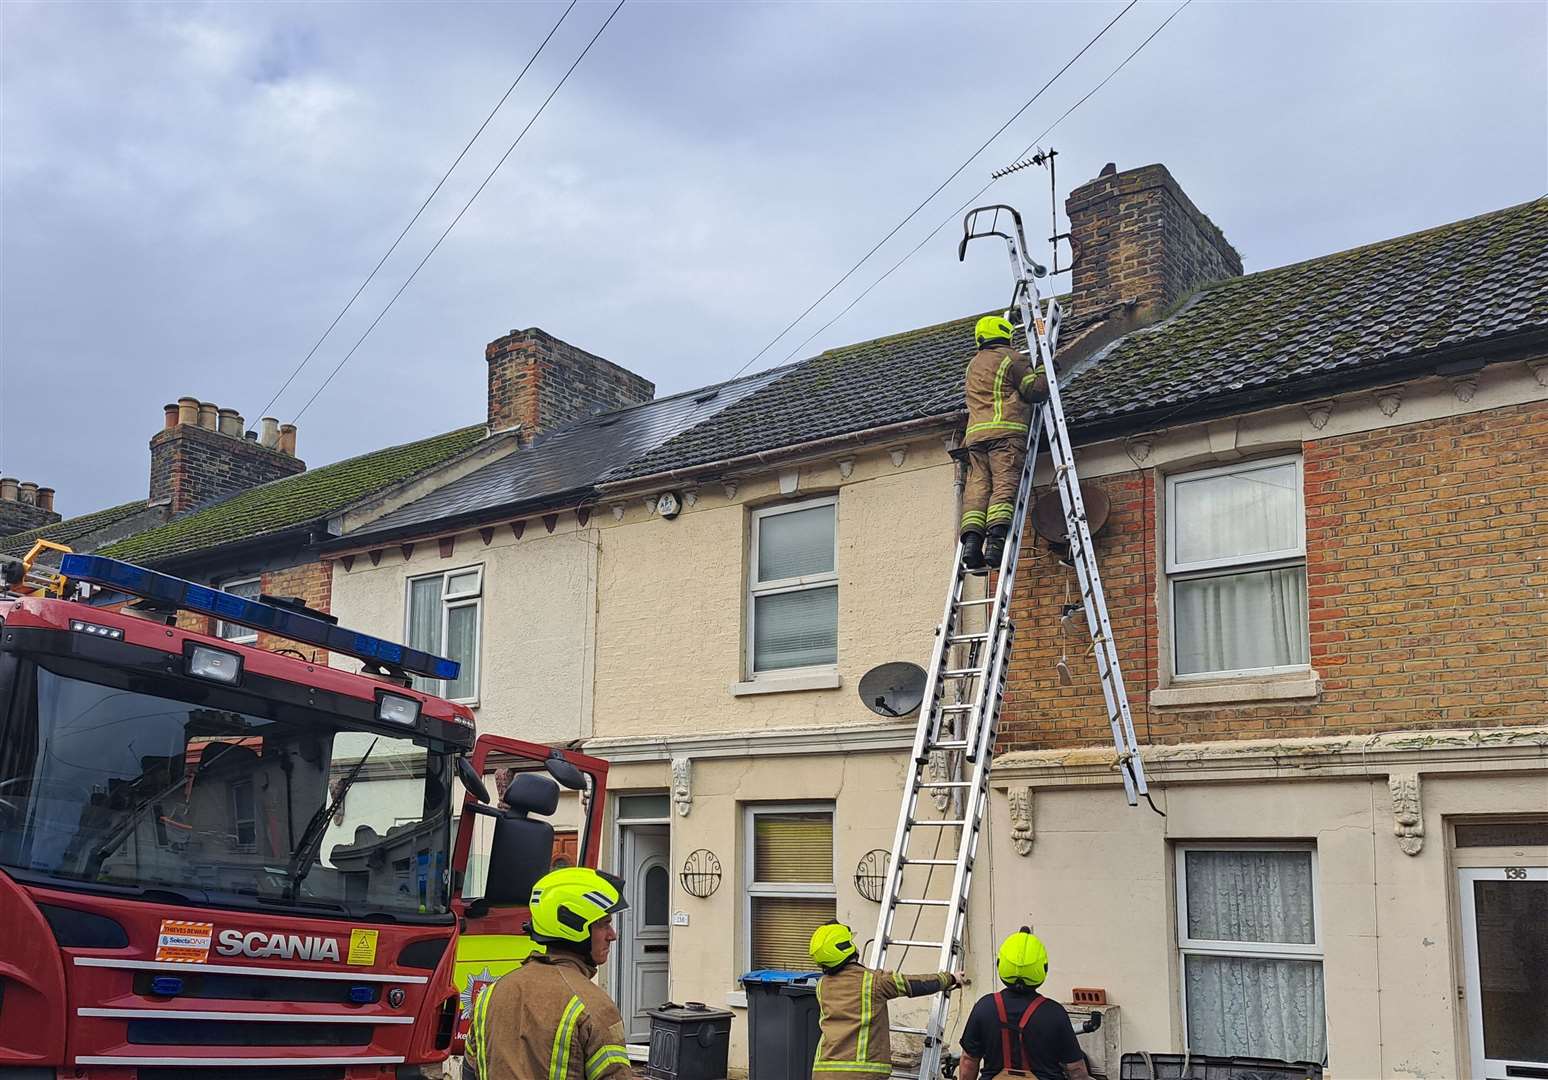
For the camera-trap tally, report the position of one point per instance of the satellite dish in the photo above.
(892, 690)
(1048, 513)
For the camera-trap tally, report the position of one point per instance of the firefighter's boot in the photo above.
(972, 551)
(994, 546)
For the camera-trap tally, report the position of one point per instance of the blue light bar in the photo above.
(188, 596)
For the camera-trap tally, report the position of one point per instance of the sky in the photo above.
(190, 193)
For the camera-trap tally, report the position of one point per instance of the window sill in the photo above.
(784, 684)
(737, 999)
(1276, 688)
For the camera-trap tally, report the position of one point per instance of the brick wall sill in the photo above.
(822, 680)
(1243, 690)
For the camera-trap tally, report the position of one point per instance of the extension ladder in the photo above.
(965, 684)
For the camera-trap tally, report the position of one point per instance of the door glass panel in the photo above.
(658, 888)
(643, 806)
(1503, 834)
(1512, 924)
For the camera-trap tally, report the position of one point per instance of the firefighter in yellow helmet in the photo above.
(1000, 386)
(547, 1020)
(852, 1005)
(1017, 1031)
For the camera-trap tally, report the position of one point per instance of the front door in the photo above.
(1505, 963)
(643, 928)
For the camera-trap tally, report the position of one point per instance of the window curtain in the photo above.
(1253, 1006)
(1236, 515)
(1237, 622)
(425, 624)
(462, 646)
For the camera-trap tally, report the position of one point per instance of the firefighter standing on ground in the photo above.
(1000, 387)
(547, 1020)
(1019, 1032)
(852, 1005)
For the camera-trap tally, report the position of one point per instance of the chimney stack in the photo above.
(24, 506)
(1138, 239)
(202, 455)
(538, 383)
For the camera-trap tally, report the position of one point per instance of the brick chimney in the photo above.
(201, 453)
(1138, 239)
(24, 506)
(538, 383)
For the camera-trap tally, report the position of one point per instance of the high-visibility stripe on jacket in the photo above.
(999, 386)
(547, 1021)
(855, 1037)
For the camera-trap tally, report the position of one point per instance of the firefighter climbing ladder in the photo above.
(965, 682)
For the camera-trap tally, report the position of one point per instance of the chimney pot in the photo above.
(1110, 169)
(230, 423)
(7, 489)
(251, 436)
(287, 439)
(188, 411)
(208, 413)
(269, 432)
(171, 415)
(28, 493)
(46, 499)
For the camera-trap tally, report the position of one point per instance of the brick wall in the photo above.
(191, 465)
(539, 382)
(17, 517)
(1427, 573)
(312, 582)
(1138, 238)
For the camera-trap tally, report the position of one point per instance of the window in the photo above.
(1247, 928)
(244, 816)
(1236, 565)
(248, 588)
(789, 875)
(793, 588)
(443, 618)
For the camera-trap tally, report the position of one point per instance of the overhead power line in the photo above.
(954, 174)
(465, 206)
(438, 185)
(955, 214)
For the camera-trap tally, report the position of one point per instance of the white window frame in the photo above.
(473, 598)
(1267, 950)
(249, 636)
(1230, 565)
(756, 588)
(752, 889)
(237, 820)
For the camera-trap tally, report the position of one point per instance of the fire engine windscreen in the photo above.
(132, 785)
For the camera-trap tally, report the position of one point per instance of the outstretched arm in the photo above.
(896, 984)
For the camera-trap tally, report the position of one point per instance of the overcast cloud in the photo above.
(190, 192)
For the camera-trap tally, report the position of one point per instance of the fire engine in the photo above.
(222, 861)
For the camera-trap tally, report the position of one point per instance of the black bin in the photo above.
(688, 1042)
(781, 1023)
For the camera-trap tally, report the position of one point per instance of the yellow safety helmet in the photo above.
(567, 903)
(832, 944)
(993, 328)
(1023, 961)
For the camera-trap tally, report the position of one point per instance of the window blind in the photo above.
(782, 929)
(793, 849)
(797, 544)
(795, 629)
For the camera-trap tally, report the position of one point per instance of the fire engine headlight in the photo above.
(397, 709)
(214, 664)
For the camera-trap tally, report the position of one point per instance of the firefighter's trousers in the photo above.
(993, 475)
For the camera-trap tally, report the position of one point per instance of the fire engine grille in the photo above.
(226, 987)
(243, 1033)
(298, 1072)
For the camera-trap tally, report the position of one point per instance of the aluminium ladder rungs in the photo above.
(954, 739)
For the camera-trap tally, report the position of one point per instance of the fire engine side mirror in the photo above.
(471, 780)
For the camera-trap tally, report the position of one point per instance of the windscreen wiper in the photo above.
(310, 844)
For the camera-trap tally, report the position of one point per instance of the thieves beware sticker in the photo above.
(184, 942)
(362, 947)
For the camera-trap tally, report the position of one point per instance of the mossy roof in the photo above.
(292, 502)
(70, 529)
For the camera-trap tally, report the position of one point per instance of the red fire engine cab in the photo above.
(219, 861)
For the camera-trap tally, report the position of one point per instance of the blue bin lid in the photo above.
(766, 976)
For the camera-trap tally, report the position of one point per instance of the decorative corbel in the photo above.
(1022, 831)
(650, 504)
(1539, 370)
(1407, 814)
(940, 773)
(1223, 436)
(682, 785)
(789, 481)
(846, 466)
(1465, 386)
(376, 557)
(690, 496)
(949, 440)
(349, 563)
(1389, 399)
(1317, 413)
(730, 489)
(1139, 447)
(618, 510)
(897, 454)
